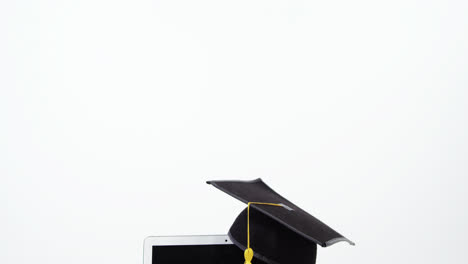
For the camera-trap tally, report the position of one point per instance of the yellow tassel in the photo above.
(248, 253)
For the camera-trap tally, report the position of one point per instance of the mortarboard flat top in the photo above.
(289, 215)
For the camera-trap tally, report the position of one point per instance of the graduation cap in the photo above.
(272, 228)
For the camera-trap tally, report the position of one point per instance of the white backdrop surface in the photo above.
(113, 114)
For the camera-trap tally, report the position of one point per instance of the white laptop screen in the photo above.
(194, 254)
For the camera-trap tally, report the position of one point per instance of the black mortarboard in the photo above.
(281, 232)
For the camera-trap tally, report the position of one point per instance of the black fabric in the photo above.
(297, 220)
(271, 241)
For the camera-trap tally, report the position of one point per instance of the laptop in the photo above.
(211, 249)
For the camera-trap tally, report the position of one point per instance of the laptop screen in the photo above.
(194, 254)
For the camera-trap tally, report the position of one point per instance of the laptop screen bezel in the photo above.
(180, 241)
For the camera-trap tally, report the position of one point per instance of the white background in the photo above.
(113, 115)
